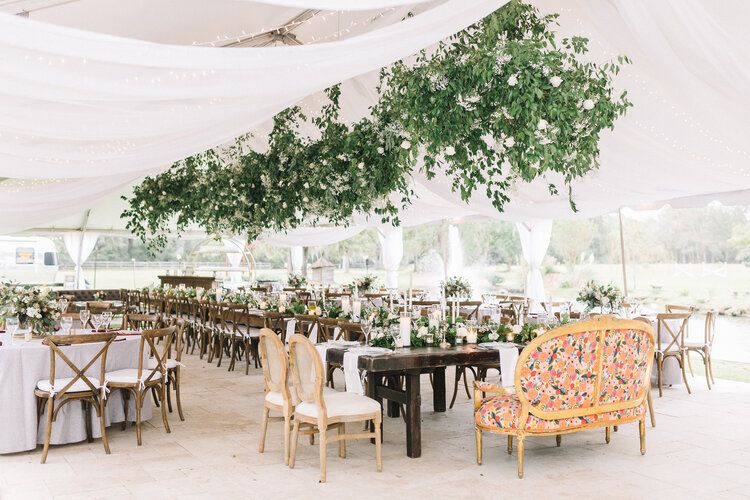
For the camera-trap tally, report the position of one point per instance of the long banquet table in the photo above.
(23, 364)
(411, 363)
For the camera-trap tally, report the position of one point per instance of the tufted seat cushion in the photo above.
(504, 411)
(60, 383)
(341, 404)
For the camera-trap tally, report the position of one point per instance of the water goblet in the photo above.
(11, 326)
(106, 319)
(366, 325)
(84, 315)
(96, 321)
(66, 323)
(63, 305)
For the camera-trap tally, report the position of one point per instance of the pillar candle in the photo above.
(404, 323)
(356, 308)
(346, 306)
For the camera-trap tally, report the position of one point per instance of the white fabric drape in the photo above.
(392, 244)
(79, 246)
(76, 104)
(535, 236)
(235, 259)
(296, 258)
(342, 5)
(455, 252)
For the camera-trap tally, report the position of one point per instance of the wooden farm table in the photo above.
(411, 363)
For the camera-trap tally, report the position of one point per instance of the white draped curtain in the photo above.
(392, 244)
(235, 259)
(79, 246)
(296, 258)
(535, 236)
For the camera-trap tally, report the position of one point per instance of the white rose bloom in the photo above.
(516, 328)
(555, 81)
(588, 104)
(262, 305)
(510, 142)
(381, 150)
(380, 335)
(282, 309)
(513, 80)
(361, 165)
(406, 144)
(422, 331)
(32, 312)
(542, 125)
(539, 331)
(450, 150)
(493, 336)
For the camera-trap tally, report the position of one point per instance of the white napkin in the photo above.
(322, 349)
(508, 360)
(352, 377)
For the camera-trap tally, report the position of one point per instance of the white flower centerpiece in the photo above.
(605, 297)
(35, 307)
(456, 288)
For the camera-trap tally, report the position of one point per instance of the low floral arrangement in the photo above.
(493, 333)
(297, 307)
(366, 283)
(456, 288)
(99, 295)
(296, 281)
(605, 297)
(238, 297)
(35, 307)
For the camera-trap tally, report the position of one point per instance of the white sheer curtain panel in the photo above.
(535, 236)
(392, 244)
(79, 246)
(235, 259)
(296, 258)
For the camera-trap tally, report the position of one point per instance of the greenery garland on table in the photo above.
(500, 103)
(296, 280)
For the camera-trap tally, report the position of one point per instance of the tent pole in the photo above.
(622, 254)
(79, 267)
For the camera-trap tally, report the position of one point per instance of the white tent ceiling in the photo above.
(683, 140)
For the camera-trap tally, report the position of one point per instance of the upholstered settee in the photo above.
(582, 375)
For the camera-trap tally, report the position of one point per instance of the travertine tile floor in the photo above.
(699, 449)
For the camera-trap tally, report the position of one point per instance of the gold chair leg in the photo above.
(642, 434)
(684, 375)
(164, 407)
(287, 432)
(650, 403)
(558, 440)
(138, 403)
(478, 436)
(263, 429)
(659, 374)
(378, 444)
(177, 393)
(607, 434)
(510, 444)
(342, 441)
(105, 440)
(322, 443)
(293, 448)
(520, 456)
(711, 367)
(690, 364)
(708, 374)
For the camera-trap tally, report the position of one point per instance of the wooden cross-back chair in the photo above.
(670, 343)
(323, 410)
(213, 329)
(232, 317)
(80, 387)
(173, 364)
(307, 324)
(470, 309)
(704, 347)
(277, 322)
(327, 329)
(140, 381)
(351, 331)
(138, 321)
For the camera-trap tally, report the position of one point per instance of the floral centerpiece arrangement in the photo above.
(185, 293)
(605, 297)
(456, 288)
(364, 284)
(35, 307)
(491, 332)
(296, 281)
(99, 295)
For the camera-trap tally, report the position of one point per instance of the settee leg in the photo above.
(650, 402)
(642, 433)
(520, 456)
(558, 440)
(607, 434)
(478, 433)
(510, 444)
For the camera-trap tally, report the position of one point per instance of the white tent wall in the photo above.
(392, 245)
(535, 236)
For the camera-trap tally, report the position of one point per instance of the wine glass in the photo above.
(106, 319)
(366, 324)
(63, 304)
(11, 326)
(66, 323)
(84, 315)
(96, 321)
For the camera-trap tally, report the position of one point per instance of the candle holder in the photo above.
(444, 344)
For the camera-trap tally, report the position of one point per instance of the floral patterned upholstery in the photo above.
(504, 412)
(625, 358)
(561, 373)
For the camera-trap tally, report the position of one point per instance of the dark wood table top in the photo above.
(417, 358)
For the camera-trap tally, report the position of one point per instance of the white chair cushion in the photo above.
(277, 399)
(129, 376)
(60, 383)
(171, 363)
(253, 332)
(340, 404)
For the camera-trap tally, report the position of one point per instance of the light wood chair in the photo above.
(138, 321)
(79, 387)
(704, 348)
(139, 381)
(174, 368)
(324, 410)
(278, 398)
(670, 343)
